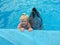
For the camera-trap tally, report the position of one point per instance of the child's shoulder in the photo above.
(19, 25)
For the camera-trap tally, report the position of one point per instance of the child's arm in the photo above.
(30, 28)
(19, 27)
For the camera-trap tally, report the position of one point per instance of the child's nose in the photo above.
(23, 22)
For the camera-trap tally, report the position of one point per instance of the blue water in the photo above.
(11, 10)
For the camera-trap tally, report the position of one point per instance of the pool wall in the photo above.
(39, 37)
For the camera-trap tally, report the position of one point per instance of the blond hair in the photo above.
(24, 16)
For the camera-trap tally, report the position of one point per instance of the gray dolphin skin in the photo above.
(35, 19)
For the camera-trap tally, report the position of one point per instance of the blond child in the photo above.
(24, 24)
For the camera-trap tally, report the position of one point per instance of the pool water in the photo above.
(11, 10)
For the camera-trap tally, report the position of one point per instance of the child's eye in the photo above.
(23, 21)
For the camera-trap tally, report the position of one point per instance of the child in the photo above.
(24, 23)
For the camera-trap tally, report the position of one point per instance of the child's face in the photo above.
(24, 22)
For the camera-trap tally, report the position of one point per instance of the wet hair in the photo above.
(24, 15)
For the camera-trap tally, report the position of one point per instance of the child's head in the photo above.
(24, 16)
(24, 19)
